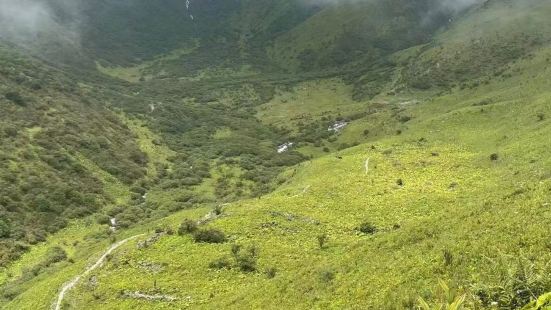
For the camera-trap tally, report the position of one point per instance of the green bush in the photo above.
(246, 263)
(245, 260)
(16, 98)
(211, 235)
(367, 228)
(55, 255)
(187, 227)
(220, 263)
(4, 229)
(271, 272)
(322, 240)
(327, 275)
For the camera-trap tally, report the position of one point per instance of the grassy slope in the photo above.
(449, 204)
(354, 32)
(483, 43)
(308, 101)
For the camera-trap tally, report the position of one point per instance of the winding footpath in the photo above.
(71, 284)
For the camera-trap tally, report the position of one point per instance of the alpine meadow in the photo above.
(275, 154)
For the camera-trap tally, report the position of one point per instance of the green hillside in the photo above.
(424, 211)
(277, 154)
(58, 143)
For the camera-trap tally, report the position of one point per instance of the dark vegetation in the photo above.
(243, 259)
(367, 228)
(56, 135)
(201, 235)
(210, 235)
(47, 125)
(187, 227)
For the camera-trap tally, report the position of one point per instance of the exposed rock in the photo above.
(338, 126)
(284, 147)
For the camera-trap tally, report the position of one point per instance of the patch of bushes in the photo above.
(187, 227)
(322, 240)
(16, 98)
(271, 272)
(367, 228)
(54, 255)
(210, 235)
(245, 260)
(220, 263)
(404, 118)
(327, 275)
(520, 282)
(448, 257)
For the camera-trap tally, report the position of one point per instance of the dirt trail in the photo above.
(71, 284)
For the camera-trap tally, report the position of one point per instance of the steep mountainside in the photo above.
(52, 133)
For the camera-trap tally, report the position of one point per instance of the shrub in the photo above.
(446, 298)
(218, 210)
(520, 281)
(271, 272)
(448, 257)
(187, 227)
(55, 255)
(209, 236)
(367, 228)
(16, 98)
(10, 291)
(494, 157)
(220, 263)
(235, 249)
(404, 118)
(322, 240)
(102, 219)
(10, 131)
(4, 229)
(327, 275)
(247, 263)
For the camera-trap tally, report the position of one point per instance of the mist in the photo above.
(23, 17)
(26, 22)
(439, 5)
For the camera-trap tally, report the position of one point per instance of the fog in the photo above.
(25, 21)
(439, 5)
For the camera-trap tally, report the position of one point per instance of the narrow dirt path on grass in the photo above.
(71, 284)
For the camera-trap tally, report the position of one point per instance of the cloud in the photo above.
(24, 22)
(437, 5)
(459, 5)
(23, 17)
